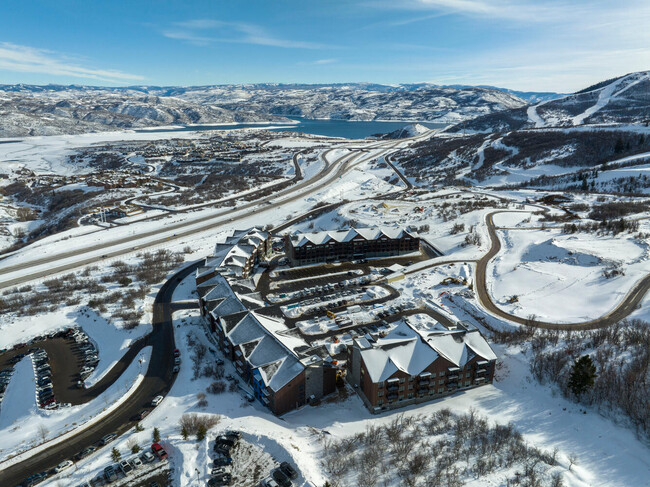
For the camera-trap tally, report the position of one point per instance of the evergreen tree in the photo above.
(116, 455)
(582, 376)
(201, 432)
(184, 433)
(156, 435)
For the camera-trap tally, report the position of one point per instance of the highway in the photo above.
(175, 231)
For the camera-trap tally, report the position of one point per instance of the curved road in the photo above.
(629, 303)
(158, 380)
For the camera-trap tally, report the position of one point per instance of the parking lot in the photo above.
(60, 362)
(238, 462)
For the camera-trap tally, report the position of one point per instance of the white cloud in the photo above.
(27, 59)
(207, 31)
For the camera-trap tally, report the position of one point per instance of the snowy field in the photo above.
(544, 267)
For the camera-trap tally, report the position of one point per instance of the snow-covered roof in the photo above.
(267, 348)
(411, 350)
(375, 233)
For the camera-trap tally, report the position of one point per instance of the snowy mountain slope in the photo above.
(55, 109)
(358, 101)
(29, 111)
(624, 100)
(599, 159)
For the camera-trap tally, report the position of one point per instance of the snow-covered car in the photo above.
(136, 462)
(156, 400)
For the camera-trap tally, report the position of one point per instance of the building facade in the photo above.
(411, 365)
(355, 243)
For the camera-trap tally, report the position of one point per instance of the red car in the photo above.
(177, 352)
(159, 451)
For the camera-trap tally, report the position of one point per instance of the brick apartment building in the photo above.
(414, 364)
(346, 245)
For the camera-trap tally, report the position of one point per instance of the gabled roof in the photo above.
(412, 350)
(369, 234)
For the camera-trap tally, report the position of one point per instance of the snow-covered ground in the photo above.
(28, 427)
(560, 277)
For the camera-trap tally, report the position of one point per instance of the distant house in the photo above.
(416, 363)
(355, 243)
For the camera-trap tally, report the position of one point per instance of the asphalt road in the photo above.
(158, 380)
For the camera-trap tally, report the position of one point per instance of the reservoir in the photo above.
(329, 128)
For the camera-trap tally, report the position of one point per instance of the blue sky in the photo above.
(537, 45)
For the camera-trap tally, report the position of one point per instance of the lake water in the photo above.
(328, 128)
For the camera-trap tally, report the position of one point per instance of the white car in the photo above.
(136, 462)
(62, 466)
(156, 400)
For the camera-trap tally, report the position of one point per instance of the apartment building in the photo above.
(416, 363)
(355, 243)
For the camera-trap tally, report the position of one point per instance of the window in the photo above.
(401, 388)
(441, 381)
(380, 393)
(442, 374)
(411, 379)
(410, 387)
(468, 374)
(380, 402)
(401, 381)
(467, 383)
(410, 396)
(433, 374)
(380, 385)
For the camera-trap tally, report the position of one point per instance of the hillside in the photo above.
(53, 109)
(624, 100)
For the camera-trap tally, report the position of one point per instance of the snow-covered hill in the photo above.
(54, 109)
(26, 111)
(357, 101)
(624, 100)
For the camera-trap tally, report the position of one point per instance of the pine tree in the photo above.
(201, 432)
(184, 433)
(156, 435)
(582, 376)
(116, 455)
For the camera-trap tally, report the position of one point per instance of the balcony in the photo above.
(452, 377)
(480, 380)
(423, 390)
(392, 387)
(481, 371)
(424, 382)
(452, 385)
(391, 397)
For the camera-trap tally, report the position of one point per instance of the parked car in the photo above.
(177, 352)
(110, 474)
(62, 466)
(222, 461)
(281, 478)
(289, 470)
(156, 400)
(126, 467)
(136, 462)
(269, 483)
(223, 479)
(147, 457)
(107, 438)
(159, 451)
